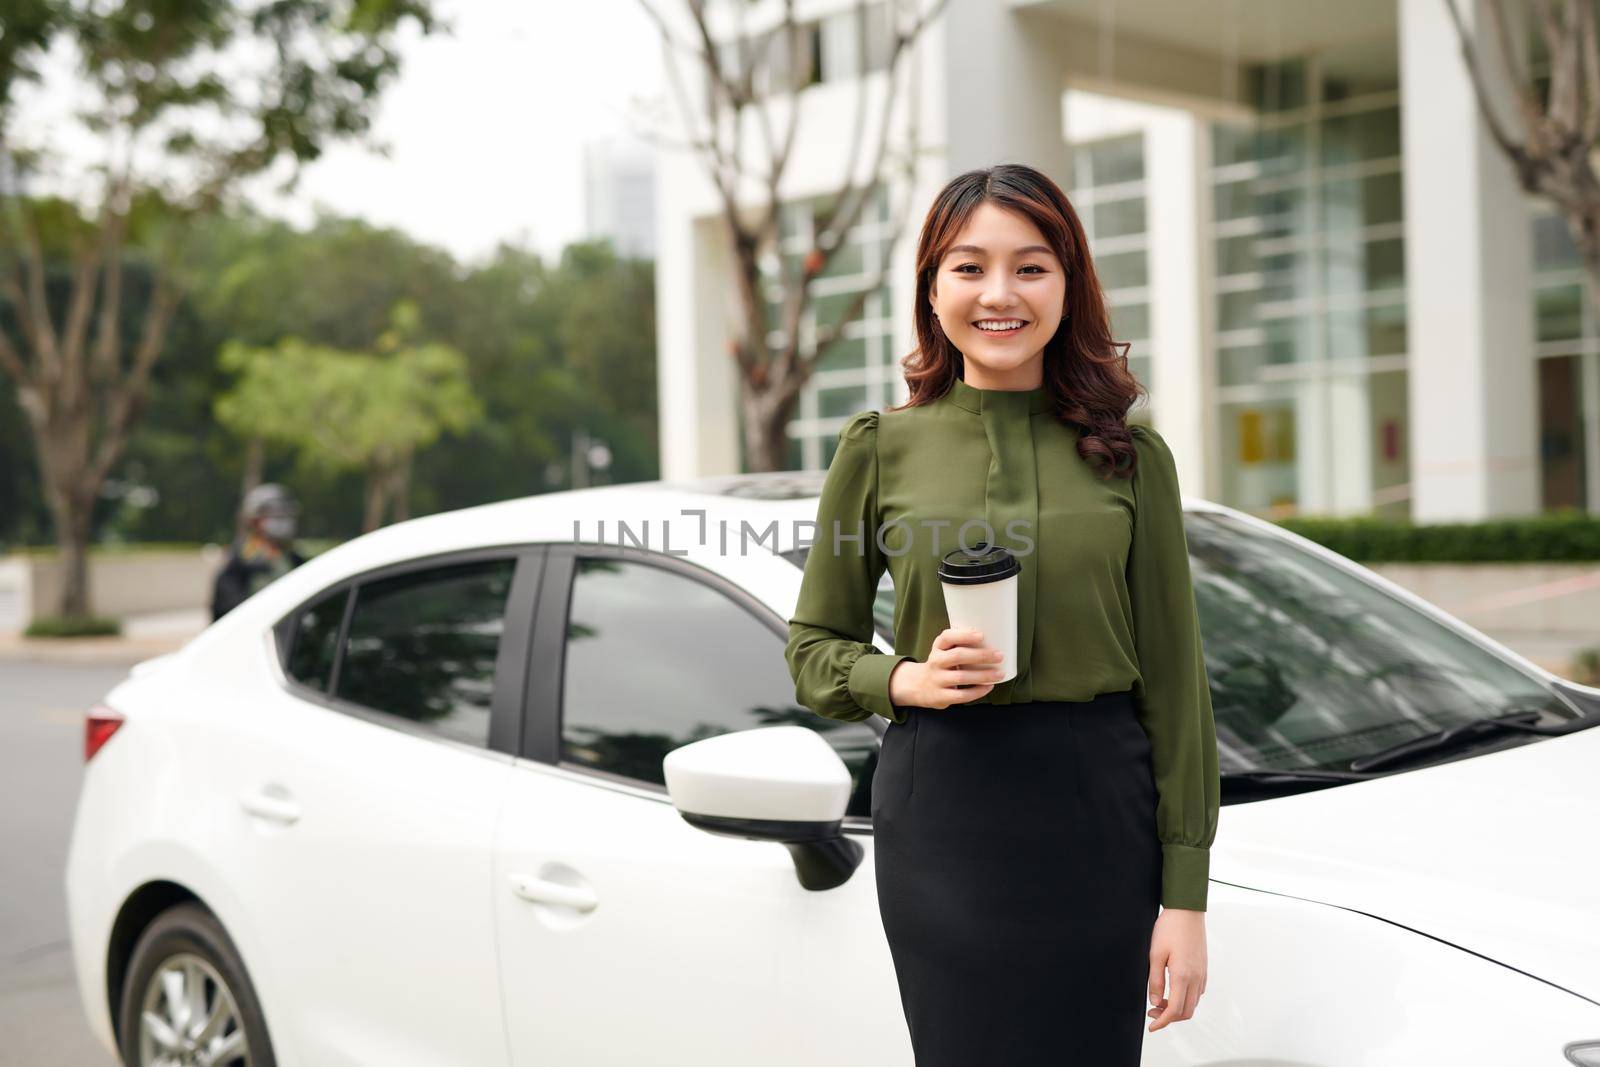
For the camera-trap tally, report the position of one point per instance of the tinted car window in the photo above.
(657, 659)
(1311, 666)
(316, 638)
(423, 645)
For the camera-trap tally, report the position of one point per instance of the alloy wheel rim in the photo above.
(189, 1018)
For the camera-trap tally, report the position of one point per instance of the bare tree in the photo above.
(744, 73)
(1553, 138)
(183, 101)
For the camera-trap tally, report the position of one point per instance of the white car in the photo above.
(525, 784)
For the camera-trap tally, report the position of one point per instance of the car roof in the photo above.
(759, 499)
(684, 516)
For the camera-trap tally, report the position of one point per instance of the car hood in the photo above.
(1495, 853)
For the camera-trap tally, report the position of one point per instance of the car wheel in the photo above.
(187, 1001)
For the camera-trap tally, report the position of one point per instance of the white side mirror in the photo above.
(786, 773)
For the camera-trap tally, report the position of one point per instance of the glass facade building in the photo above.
(1108, 191)
(1308, 277)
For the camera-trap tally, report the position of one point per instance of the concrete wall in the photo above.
(1546, 611)
(120, 583)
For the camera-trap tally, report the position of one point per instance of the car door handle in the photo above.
(273, 808)
(544, 891)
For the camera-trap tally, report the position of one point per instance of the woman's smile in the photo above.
(1002, 327)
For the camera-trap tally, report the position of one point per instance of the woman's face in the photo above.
(999, 269)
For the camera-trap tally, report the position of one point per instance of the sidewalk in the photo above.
(143, 636)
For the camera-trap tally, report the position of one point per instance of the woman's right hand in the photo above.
(958, 658)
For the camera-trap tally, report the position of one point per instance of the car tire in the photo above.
(182, 954)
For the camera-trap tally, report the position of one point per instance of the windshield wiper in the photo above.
(1259, 782)
(1514, 722)
(1293, 774)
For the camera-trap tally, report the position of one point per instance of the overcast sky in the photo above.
(486, 125)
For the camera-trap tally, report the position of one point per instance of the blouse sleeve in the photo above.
(1172, 694)
(838, 673)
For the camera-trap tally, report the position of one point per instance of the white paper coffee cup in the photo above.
(980, 593)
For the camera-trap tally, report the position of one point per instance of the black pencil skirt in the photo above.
(1019, 878)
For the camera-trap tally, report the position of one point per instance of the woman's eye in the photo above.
(963, 268)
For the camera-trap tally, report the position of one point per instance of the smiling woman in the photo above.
(993, 796)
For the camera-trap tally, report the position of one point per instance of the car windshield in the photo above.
(1311, 666)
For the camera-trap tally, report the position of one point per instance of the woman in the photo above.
(1041, 843)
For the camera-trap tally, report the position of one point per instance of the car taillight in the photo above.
(101, 723)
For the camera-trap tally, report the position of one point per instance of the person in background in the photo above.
(264, 550)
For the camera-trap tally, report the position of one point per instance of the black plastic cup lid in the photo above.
(977, 565)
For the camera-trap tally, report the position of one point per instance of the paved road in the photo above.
(41, 763)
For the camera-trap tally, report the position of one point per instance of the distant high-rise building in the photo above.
(619, 196)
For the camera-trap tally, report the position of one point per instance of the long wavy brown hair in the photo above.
(1085, 371)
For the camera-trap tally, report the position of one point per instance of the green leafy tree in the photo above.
(183, 100)
(341, 410)
(557, 350)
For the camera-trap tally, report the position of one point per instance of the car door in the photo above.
(367, 807)
(628, 936)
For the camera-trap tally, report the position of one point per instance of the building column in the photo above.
(1001, 84)
(1472, 389)
(696, 385)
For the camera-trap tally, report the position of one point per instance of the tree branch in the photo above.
(1590, 52)
(127, 401)
(33, 304)
(11, 361)
(1513, 150)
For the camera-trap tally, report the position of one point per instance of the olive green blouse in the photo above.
(1104, 598)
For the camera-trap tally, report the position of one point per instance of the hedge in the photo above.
(1561, 536)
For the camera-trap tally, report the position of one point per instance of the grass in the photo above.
(66, 626)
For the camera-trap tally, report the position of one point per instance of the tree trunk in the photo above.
(401, 494)
(766, 437)
(375, 493)
(72, 513)
(68, 477)
(254, 464)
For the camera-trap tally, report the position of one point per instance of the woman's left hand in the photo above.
(1178, 958)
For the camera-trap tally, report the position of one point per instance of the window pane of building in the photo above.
(1552, 244)
(1558, 312)
(1361, 136)
(1118, 218)
(1258, 455)
(847, 353)
(1562, 459)
(1123, 270)
(840, 403)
